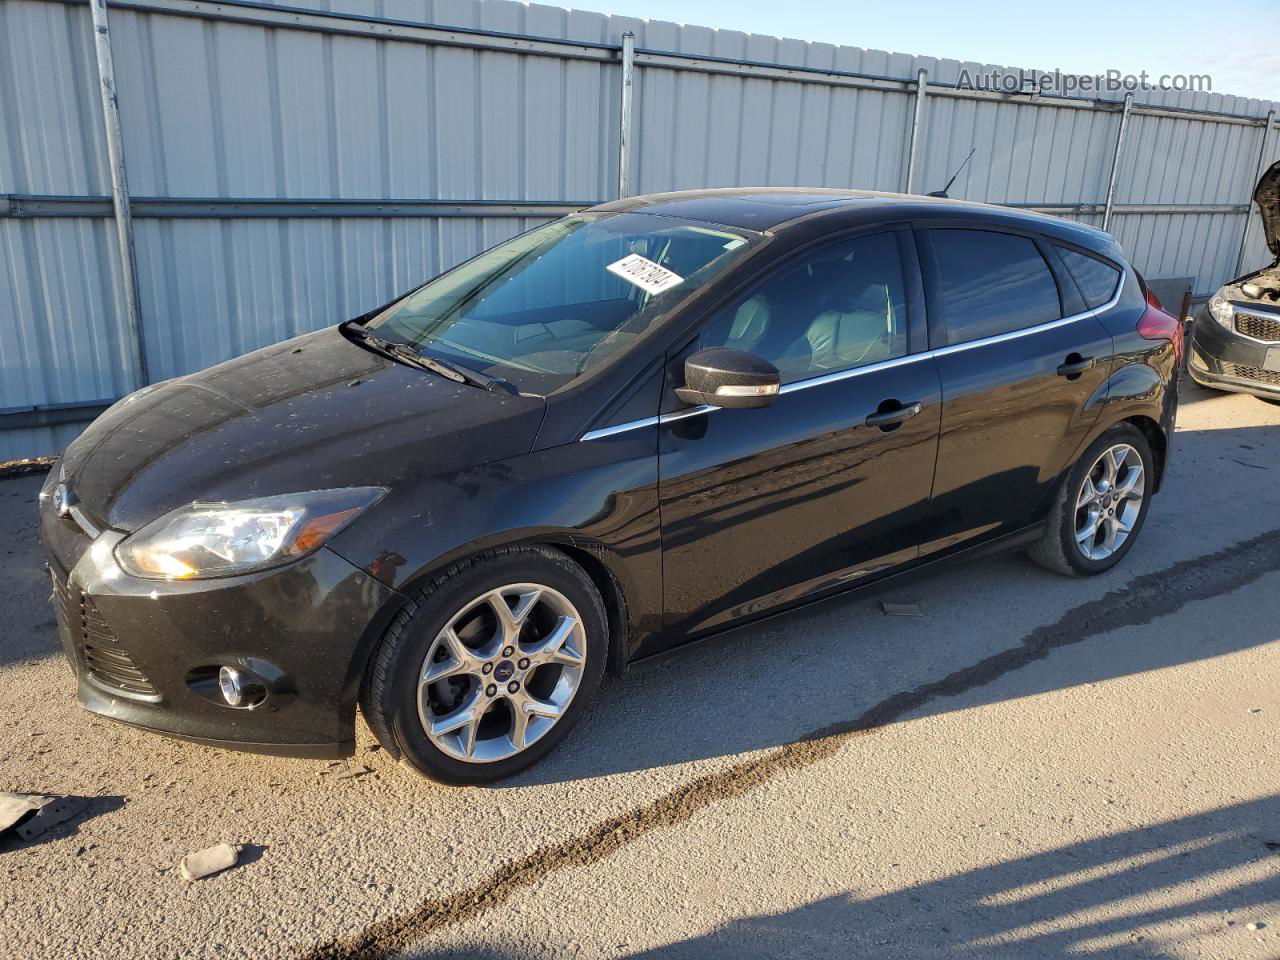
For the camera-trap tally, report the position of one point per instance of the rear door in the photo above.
(764, 507)
(1023, 366)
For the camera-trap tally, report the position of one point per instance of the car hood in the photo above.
(307, 414)
(1267, 197)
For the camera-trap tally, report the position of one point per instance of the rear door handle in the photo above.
(891, 418)
(1075, 365)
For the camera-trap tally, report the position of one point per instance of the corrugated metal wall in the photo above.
(226, 105)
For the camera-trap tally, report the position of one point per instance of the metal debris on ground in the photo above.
(31, 814)
(205, 863)
(901, 609)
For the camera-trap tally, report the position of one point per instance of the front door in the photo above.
(828, 485)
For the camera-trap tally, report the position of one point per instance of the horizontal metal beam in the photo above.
(696, 63)
(375, 28)
(256, 208)
(52, 414)
(385, 28)
(235, 208)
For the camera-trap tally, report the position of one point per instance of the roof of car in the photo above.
(768, 208)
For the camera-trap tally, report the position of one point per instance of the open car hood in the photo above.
(1267, 197)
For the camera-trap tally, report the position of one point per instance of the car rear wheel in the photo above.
(1100, 508)
(489, 667)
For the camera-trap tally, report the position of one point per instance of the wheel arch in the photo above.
(1159, 443)
(605, 569)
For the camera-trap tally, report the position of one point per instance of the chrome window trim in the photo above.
(838, 375)
(619, 428)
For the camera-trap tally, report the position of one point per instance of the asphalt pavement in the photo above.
(1036, 767)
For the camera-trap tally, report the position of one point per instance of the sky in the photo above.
(1236, 42)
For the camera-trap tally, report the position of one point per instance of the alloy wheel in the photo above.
(1109, 501)
(502, 672)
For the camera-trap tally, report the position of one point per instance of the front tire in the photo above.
(1100, 507)
(489, 667)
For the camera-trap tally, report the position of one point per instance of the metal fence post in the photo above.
(1115, 162)
(624, 118)
(119, 189)
(1257, 175)
(913, 148)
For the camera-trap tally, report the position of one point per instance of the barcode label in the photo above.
(645, 274)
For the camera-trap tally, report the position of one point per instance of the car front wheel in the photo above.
(489, 667)
(1100, 508)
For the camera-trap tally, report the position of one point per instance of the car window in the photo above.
(546, 306)
(1096, 280)
(840, 307)
(992, 283)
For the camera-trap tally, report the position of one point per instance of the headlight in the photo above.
(221, 539)
(1220, 310)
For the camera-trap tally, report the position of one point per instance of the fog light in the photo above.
(240, 689)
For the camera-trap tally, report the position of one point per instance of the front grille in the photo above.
(1245, 372)
(1260, 328)
(99, 650)
(105, 659)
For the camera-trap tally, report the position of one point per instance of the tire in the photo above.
(1060, 548)
(482, 672)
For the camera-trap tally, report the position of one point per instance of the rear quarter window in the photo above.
(992, 283)
(1097, 280)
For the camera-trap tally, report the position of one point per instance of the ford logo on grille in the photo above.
(63, 499)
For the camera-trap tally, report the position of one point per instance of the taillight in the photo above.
(1157, 324)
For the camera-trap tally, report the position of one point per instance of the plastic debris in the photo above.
(205, 863)
(31, 814)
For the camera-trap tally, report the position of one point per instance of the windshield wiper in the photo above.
(406, 354)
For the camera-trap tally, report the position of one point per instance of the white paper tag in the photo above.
(645, 274)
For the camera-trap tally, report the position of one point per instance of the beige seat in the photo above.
(838, 339)
(750, 324)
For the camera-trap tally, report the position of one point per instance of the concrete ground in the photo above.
(1037, 767)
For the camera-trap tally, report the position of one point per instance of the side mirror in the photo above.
(724, 377)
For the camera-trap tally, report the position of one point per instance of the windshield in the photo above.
(546, 306)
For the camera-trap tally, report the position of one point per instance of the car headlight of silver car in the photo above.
(1221, 310)
(222, 539)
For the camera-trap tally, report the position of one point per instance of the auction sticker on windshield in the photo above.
(645, 274)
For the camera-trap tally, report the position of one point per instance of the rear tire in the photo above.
(489, 666)
(1100, 507)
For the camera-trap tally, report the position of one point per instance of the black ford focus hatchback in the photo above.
(648, 422)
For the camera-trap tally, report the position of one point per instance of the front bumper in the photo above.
(1226, 360)
(144, 651)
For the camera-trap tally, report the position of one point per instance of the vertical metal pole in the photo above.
(1257, 175)
(119, 189)
(1115, 162)
(913, 149)
(624, 118)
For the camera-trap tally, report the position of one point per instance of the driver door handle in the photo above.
(891, 418)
